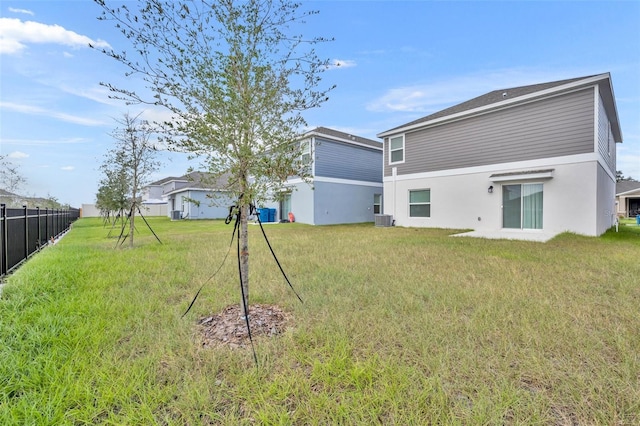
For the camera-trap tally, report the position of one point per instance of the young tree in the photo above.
(113, 193)
(236, 78)
(129, 164)
(10, 177)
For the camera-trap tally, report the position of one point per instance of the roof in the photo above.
(625, 186)
(514, 95)
(5, 193)
(344, 137)
(164, 180)
(201, 181)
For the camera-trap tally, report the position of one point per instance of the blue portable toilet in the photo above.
(272, 215)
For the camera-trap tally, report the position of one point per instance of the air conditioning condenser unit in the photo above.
(383, 220)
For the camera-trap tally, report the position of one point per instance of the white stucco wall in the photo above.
(90, 210)
(606, 199)
(460, 200)
(154, 209)
(302, 205)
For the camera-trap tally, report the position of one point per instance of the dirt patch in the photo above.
(230, 328)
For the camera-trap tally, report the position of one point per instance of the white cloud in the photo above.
(25, 11)
(341, 63)
(67, 168)
(34, 110)
(16, 34)
(96, 93)
(430, 97)
(18, 155)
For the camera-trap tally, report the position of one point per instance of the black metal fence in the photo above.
(25, 231)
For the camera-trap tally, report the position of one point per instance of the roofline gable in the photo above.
(628, 192)
(570, 84)
(194, 189)
(344, 137)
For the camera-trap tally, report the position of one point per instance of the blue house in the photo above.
(195, 195)
(346, 180)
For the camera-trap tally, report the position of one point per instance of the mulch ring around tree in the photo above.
(229, 327)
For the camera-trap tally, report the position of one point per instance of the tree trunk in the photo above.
(244, 256)
(123, 222)
(133, 213)
(131, 224)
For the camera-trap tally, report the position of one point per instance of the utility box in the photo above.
(383, 220)
(176, 215)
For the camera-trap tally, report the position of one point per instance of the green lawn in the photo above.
(399, 326)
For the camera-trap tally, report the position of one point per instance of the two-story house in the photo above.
(531, 159)
(346, 180)
(192, 196)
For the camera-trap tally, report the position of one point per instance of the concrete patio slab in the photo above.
(503, 234)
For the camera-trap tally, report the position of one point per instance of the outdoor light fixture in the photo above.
(490, 190)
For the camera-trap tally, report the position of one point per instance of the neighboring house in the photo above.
(192, 196)
(628, 198)
(346, 180)
(539, 158)
(195, 196)
(153, 193)
(15, 201)
(11, 200)
(153, 203)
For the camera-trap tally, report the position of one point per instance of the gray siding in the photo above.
(606, 144)
(343, 161)
(558, 126)
(208, 208)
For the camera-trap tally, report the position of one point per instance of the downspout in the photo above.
(394, 174)
(312, 148)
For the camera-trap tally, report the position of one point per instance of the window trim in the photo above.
(379, 204)
(306, 151)
(398, 149)
(418, 204)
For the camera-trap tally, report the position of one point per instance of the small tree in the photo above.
(621, 178)
(236, 79)
(10, 177)
(128, 165)
(113, 192)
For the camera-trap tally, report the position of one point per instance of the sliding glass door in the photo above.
(522, 206)
(285, 206)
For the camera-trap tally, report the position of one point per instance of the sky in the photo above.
(398, 61)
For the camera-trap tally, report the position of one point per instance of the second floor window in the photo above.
(305, 150)
(396, 149)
